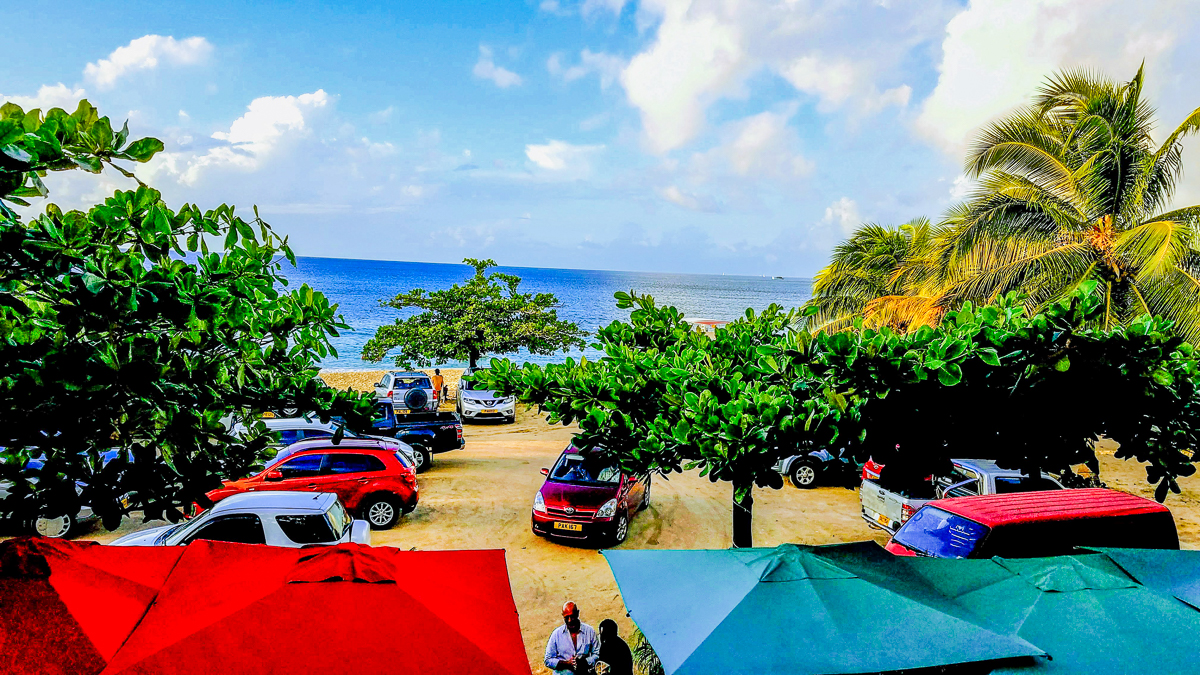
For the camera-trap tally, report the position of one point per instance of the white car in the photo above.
(291, 519)
(483, 404)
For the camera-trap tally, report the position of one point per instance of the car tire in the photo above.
(620, 529)
(54, 528)
(803, 474)
(645, 497)
(511, 420)
(423, 458)
(381, 512)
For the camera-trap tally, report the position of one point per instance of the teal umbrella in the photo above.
(792, 610)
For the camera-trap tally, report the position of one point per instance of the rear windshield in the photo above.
(1009, 484)
(591, 468)
(940, 534)
(411, 383)
(306, 528)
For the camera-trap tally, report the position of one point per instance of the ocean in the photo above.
(586, 296)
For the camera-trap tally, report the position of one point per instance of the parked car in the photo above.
(427, 434)
(1035, 524)
(587, 496)
(408, 392)
(888, 509)
(372, 479)
(292, 430)
(61, 524)
(475, 403)
(820, 467)
(292, 519)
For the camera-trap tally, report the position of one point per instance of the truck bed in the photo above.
(884, 509)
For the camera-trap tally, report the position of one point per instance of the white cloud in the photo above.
(487, 69)
(561, 156)
(844, 214)
(49, 96)
(996, 54)
(144, 53)
(676, 196)
(590, 7)
(761, 145)
(381, 116)
(607, 66)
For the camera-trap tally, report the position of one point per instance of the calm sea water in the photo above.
(586, 296)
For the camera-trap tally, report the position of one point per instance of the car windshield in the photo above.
(590, 469)
(1009, 484)
(941, 534)
(181, 531)
(339, 520)
(472, 383)
(411, 383)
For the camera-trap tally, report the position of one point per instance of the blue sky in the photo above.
(724, 136)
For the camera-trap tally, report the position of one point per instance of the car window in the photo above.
(403, 460)
(1009, 484)
(941, 534)
(381, 413)
(306, 528)
(412, 383)
(339, 519)
(317, 433)
(302, 467)
(240, 528)
(348, 463)
(289, 436)
(585, 468)
(959, 475)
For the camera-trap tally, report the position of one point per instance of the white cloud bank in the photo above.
(607, 66)
(49, 96)
(486, 68)
(561, 156)
(145, 53)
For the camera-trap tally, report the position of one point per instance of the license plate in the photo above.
(124, 502)
(403, 411)
(571, 527)
(487, 411)
(883, 520)
(268, 415)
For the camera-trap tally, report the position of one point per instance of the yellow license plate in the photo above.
(883, 520)
(403, 411)
(571, 527)
(124, 502)
(268, 415)
(488, 410)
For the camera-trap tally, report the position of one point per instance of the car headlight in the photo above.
(608, 510)
(539, 504)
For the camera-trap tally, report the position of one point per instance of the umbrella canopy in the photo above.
(341, 609)
(1114, 611)
(791, 610)
(66, 607)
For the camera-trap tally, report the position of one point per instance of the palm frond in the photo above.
(1176, 296)
(1155, 248)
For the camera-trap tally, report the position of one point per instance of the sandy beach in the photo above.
(480, 497)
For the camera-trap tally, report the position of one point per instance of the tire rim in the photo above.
(380, 513)
(419, 459)
(806, 475)
(52, 527)
(622, 529)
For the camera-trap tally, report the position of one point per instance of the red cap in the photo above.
(569, 608)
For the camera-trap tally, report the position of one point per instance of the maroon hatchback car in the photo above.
(587, 496)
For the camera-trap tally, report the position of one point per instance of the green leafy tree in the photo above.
(136, 327)
(1030, 392)
(485, 315)
(1071, 189)
(666, 398)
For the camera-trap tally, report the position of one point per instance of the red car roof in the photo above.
(350, 445)
(1025, 507)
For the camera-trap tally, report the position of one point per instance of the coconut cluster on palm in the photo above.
(1069, 189)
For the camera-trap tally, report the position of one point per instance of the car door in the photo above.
(239, 528)
(299, 473)
(347, 474)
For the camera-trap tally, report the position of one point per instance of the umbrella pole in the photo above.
(743, 516)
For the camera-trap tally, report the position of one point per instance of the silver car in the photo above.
(291, 519)
(292, 430)
(483, 404)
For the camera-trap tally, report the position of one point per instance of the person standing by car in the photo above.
(613, 650)
(439, 384)
(574, 647)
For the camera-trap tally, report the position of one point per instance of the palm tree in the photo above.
(1073, 188)
(885, 274)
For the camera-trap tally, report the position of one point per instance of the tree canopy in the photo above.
(486, 315)
(141, 328)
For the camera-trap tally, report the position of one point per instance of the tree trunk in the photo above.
(743, 518)
(473, 357)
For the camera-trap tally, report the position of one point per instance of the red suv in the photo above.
(374, 481)
(586, 495)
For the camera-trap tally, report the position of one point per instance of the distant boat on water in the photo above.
(776, 277)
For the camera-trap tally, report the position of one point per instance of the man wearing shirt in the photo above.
(574, 647)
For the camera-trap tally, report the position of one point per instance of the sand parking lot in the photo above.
(480, 497)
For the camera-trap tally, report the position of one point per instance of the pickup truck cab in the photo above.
(408, 392)
(426, 433)
(888, 509)
(1034, 525)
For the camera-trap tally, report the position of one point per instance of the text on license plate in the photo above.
(403, 411)
(573, 527)
(884, 520)
(488, 410)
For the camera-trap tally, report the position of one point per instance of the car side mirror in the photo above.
(545, 471)
(274, 475)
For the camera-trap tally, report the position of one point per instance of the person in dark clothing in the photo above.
(613, 650)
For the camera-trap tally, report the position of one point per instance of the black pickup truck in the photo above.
(426, 432)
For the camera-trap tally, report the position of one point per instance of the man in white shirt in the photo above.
(574, 647)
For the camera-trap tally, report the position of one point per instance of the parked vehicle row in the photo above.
(56, 525)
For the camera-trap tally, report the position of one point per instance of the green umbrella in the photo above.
(792, 610)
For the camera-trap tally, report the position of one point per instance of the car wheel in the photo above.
(804, 474)
(511, 420)
(621, 531)
(645, 497)
(53, 527)
(422, 457)
(381, 512)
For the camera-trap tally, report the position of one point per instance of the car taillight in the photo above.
(410, 479)
(459, 430)
(389, 394)
(906, 512)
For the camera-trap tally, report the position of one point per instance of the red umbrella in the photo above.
(343, 609)
(66, 607)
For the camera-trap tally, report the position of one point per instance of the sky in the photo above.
(711, 136)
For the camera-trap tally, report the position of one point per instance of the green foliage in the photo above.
(486, 315)
(645, 660)
(121, 329)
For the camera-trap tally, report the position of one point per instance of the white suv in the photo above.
(482, 404)
(408, 392)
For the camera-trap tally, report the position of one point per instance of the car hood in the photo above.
(481, 393)
(579, 496)
(142, 538)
